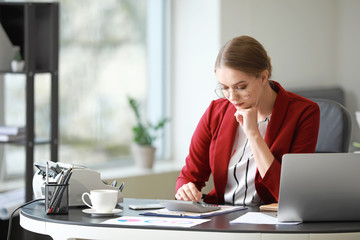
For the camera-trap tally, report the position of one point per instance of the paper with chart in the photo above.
(155, 221)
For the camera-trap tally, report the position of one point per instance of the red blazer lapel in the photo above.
(222, 150)
(277, 116)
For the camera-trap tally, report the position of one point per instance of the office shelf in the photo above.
(34, 27)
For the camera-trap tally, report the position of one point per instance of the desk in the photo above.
(80, 225)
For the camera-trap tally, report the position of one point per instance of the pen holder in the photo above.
(56, 198)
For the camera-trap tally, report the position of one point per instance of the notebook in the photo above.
(320, 187)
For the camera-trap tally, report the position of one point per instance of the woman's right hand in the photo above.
(188, 192)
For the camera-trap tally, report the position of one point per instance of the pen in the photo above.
(121, 186)
(47, 172)
(60, 179)
(57, 198)
(67, 176)
(58, 193)
(114, 183)
(57, 188)
(50, 210)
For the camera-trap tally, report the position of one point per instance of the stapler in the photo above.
(82, 180)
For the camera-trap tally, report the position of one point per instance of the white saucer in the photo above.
(94, 213)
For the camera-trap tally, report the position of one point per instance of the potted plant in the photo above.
(17, 64)
(145, 134)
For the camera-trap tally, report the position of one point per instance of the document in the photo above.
(151, 221)
(261, 218)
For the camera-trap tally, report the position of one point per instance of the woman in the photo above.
(242, 136)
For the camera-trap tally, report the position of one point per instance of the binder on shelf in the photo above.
(11, 138)
(12, 133)
(11, 130)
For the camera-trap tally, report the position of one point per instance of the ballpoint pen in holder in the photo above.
(56, 198)
(57, 194)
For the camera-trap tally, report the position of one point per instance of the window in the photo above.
(105, 49)
(102, 60)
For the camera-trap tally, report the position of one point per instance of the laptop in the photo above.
(320, 187)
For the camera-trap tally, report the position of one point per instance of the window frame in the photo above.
(159, 69)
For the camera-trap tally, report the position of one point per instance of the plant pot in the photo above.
(17, 66)
(144, 155)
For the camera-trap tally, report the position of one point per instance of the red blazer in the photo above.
(293, 128)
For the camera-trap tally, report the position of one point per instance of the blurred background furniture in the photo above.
(335, 127)
(34, 28)
(335, 120)
(334, 93)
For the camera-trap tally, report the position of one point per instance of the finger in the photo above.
(178, 196)
(196, 194)
(190, 194)
(240, 119)
(182, 195)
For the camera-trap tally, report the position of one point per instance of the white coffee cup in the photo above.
(102, 200)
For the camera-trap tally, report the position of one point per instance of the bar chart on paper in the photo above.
(155, 221)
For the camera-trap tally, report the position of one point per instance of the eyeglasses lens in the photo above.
(225, 93)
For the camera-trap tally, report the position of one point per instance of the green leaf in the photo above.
(17, 56)
(144, 132)
(356, 144)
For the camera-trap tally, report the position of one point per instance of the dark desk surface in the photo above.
(217, 224)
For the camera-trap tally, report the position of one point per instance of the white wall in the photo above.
(300, 36)
(311, 43)
(195, 44)
(348, 61)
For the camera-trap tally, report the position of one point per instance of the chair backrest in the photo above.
(335, 127)
(334, 93)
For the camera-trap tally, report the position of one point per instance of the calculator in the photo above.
(188, 206)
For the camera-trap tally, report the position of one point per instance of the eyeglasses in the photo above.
(222, 92)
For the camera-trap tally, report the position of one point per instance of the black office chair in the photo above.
(335, 127)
